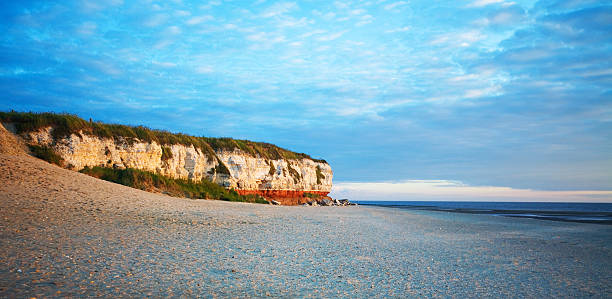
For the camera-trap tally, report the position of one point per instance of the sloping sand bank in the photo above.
(63, 233)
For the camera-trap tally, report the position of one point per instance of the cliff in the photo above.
(248, 167)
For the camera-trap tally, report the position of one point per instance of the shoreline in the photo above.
(603, 217)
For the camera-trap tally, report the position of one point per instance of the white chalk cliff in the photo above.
(246, 171)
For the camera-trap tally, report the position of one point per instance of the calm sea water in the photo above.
(559, 211)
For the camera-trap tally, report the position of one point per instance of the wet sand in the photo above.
(66, 234)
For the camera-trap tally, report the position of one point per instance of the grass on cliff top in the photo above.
(65, 124)
(152, 182)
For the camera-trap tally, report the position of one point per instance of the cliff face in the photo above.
(255, 173)
(247, 173)
(186, 162)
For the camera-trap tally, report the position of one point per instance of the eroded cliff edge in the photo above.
(248, 167)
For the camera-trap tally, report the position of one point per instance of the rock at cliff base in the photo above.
(326, 202)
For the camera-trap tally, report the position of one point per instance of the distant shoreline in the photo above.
(598, 213)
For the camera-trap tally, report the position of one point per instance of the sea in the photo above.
(600, 213)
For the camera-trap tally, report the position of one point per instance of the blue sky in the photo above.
(514, 94)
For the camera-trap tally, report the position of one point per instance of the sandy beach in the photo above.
(66, 234)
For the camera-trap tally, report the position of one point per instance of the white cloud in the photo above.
(210, 4)
(155, 20)
(182, 13)
(366, 19)
(481, 3)
(87, 28)
(204, 69)
(314, 32)
(401, 29)
(279, 9)
(257, 37)
(395, 4)
(265, 37)
(264, 40)
(162, 43)
(326, 16)
(502, 17)
(470, 36)
(455, 190)
(463, 39)
(330, 37)
(292, 22)
(199, 19)
(172, 30)
(106, 67)
(477, 93)
(353, 107)
(596, 73)
(467, 77)
(355, 43)
(340, 5)
(164, 64)
(526, 55)
(93, 5)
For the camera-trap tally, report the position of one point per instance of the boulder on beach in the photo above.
(326, 202)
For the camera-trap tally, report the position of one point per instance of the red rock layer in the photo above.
(285, 197)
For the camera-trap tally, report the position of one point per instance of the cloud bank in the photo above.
(443, 190)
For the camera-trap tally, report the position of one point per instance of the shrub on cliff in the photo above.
(148, 181)
(262, 149)
(221, 168)
(46, 153)
(166, 153)
(272, 170)
(64, 124)
(294, 173)
(312, 195)
(320, 175)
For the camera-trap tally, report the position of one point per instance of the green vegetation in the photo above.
(312, 195)
(264, 150)
(166, 153)
(149, 181)
(66, 124)
(272, 168)
(46, 153)
(320, 175)
(221, 168)
(296, 175)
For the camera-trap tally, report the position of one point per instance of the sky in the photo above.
(410, 100)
